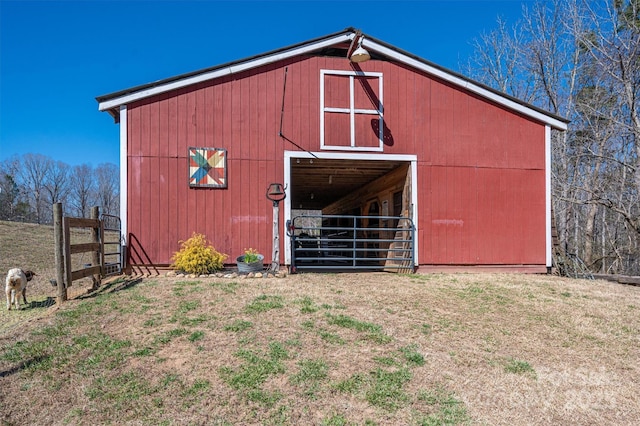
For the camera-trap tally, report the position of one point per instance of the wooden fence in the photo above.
(64, 249)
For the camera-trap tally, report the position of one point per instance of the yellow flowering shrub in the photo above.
(197, 256)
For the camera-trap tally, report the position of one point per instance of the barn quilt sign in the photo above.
(207, 167)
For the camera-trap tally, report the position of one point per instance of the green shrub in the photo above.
(197, 256)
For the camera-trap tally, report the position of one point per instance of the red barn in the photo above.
(386, 159)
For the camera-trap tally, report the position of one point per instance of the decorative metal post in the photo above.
(275, 193)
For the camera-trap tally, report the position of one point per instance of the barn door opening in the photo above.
(355, 212)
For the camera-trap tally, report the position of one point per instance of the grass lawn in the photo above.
(322, 349)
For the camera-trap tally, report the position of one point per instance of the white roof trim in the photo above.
(231, 69)
(376, 47)
(306, 48)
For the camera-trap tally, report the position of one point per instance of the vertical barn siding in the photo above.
(480, 168)
(163, 210)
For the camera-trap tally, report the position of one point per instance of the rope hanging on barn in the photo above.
(284, 88)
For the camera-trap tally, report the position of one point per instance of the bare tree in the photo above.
(13, 205)
(596, 146)
(33, 171)
(57, 186)
(82, 193)
(608, 131)
(495, 61)
(107, 177)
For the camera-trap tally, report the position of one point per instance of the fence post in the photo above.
(96, 238)
(59, 250)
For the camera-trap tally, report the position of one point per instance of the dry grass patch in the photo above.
(365, 349)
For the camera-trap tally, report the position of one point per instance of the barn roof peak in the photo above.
(342, 44)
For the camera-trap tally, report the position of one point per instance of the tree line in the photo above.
(32, 183)
(580, 59)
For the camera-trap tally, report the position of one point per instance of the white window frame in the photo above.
(352, 111)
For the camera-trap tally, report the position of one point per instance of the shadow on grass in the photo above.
(46, 303)
(115, 285)
(24, 365)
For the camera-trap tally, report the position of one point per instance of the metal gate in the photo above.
(112, 254)
(340, 242)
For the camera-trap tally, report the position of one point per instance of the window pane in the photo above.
(366, 94)
(337, 130)
(336, 91)
(367, 130)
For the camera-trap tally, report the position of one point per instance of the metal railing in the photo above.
(113, 258)
(341, 242)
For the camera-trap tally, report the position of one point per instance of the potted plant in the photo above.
(250, 261)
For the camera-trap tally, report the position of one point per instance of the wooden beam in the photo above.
(79, 222)
(84, 248)
(59, 251)
(390, 182)
(86, 272)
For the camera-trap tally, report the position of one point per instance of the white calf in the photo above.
(16, 283)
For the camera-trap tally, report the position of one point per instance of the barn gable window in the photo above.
(351, 111)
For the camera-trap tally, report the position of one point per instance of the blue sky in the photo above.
(57, 56)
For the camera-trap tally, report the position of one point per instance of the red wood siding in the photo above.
(481, 178)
